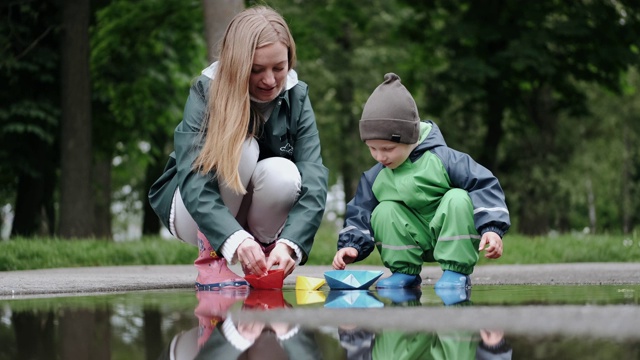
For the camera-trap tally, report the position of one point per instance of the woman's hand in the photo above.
(343, 257)
(251, 257)
(250, 330)
(281, 255)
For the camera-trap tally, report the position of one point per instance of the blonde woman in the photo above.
(246, 182)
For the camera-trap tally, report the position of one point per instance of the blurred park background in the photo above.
(543, 93)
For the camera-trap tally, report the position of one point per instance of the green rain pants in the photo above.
(406, 239)
(437, 346)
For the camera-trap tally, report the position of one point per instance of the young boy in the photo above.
(422, 202)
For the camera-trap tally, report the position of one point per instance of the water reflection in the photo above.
(219, 336)
(352, 299)
(363, 344)
(558, 322)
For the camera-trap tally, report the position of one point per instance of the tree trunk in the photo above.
(536, 204)
(150, 221)
(591, 203)
(85, 334)
(495, 131)
(34, 333)
(76, 207)
(102, 205)
(29, 200)
(217, 15)
(152, 329)
(349, 130)
(625, 178)
(33, 215)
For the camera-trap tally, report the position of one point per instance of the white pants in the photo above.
(273, 186)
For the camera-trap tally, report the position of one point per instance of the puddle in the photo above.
(519, 322)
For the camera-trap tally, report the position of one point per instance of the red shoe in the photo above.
(213, 273)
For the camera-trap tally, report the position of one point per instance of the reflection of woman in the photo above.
(218, 336)
(259, 341)
(246, 181)
(361, 344)
(244, 341)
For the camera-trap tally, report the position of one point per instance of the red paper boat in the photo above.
(265, 300)
(273, 280)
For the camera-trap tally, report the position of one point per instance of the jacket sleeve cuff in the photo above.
(492, 228)
(295, 248)
(233, 336)
(230, 245)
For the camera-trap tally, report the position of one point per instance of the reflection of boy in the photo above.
(361, 344)
(422, 202)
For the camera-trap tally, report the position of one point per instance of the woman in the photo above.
(246, 181)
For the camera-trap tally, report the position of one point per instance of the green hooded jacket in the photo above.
(290, 132)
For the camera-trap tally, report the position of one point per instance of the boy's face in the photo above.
(388, 153)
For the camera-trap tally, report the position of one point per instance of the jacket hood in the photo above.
(292, 76)
(433, 139)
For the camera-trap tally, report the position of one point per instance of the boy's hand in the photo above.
(343, 257)
(491, 337)
(493, 243)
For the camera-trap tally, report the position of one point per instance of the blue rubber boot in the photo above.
(453, 296)
(453, 280)
(399, 281)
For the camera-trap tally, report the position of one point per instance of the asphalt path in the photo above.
(70, 281)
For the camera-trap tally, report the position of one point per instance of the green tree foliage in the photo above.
(145, 53)
(603, 177)
(29, 113)
(143, 57)
(344, 50)
(504, 80)
(509, 74)
(538, 91)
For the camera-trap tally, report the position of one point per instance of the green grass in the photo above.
(41, 253)
(519, 249)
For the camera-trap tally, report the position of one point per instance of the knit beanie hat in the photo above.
(390, 113)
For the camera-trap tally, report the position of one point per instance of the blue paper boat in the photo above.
(351, 279)
(351, 299)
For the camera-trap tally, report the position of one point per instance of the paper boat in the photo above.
(306, 297)
(273, 280)
(352, 299)
(351, 279)
(309, 283)
(265, 300)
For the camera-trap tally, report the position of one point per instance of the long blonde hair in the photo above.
(228, 110)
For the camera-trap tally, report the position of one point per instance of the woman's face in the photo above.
(269, 71)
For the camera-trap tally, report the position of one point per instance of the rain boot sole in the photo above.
(226, 285)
